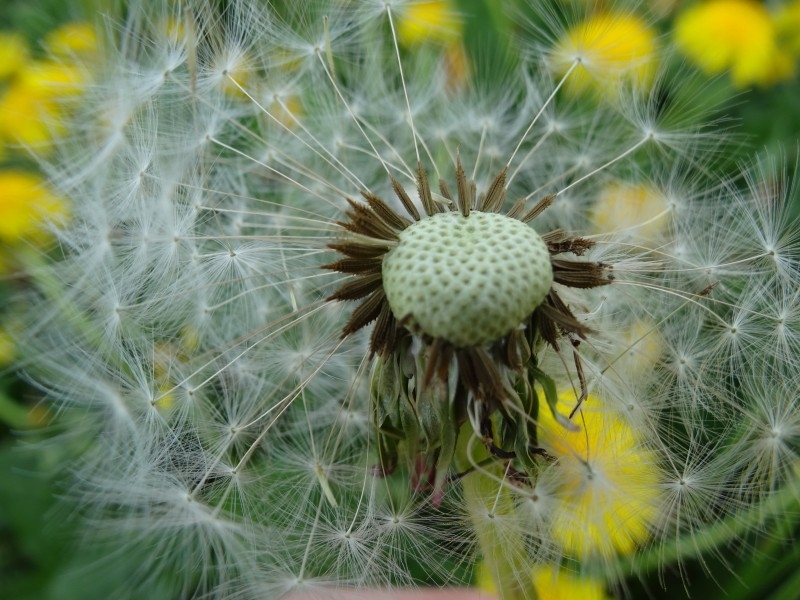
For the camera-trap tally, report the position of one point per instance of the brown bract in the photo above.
(373, 229)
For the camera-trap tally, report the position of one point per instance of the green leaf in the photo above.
(551, 396)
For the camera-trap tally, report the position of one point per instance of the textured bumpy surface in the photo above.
(467, 280)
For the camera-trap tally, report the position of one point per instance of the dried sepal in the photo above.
(464, 201)
(424, 191)
(493, 201)
(358, 288)
(580, 274)
(404, 198)
(386, 214)
(365, 313)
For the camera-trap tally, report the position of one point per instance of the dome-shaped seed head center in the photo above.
(467, 280)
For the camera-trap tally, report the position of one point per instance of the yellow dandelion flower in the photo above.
(49, 80)
(608, 482)
(72, 38)
(550, 583)
(190, 338)
(457, 65)
(176, 28)
(735, 35)
(165, 399)
(787, 24)
(30, 109)
(557, 584)
(613, 49)
(235, 66)
(639, 210)
(428, 21)
(27, 119)
(39, 416)
(13, 53)
(26, 204)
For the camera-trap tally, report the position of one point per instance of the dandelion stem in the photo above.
(782, 504)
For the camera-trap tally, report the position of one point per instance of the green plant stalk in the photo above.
(779, 505)
(490, 504)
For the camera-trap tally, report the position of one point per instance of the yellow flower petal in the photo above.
(428, 21)
(557, 584)
(612, 48)
(27, 118)
(551, 583)
(13, 53)
(52, 80)
(640, 210)
(645, 346)
(787, 24)
(734, 35)
(287, 110)
(25, 205)
(72, 38)
(30, 109)
(457, 65)
(608, 481)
